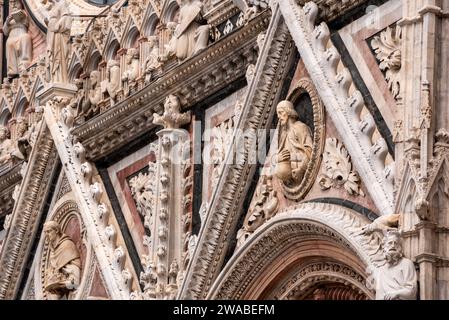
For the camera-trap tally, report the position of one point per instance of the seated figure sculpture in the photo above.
(192, 36)
(295, 144)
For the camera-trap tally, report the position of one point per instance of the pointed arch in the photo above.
(170, 11)
(130, 35)
(150, 24)
(294, 239)
(5, 115)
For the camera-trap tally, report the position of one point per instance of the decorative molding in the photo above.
(87, 192)
(338, 224)
(346, 107)
(319, 272)
(27, 213)
(210, 71)
(222, 216)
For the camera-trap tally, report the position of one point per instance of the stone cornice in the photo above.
(7, 183)
(332, 9)
(26, 215)
(221, 64)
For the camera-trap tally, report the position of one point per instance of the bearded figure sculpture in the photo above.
(192, 35)
(295, 145)
(397, 279)
(64, 267)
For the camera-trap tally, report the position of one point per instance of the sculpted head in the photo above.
(172, 104)
(392, 247)
(94, 77)
(285, 111)
(153, 41)
(4, 132)
(133, 54)
(52, 231)
(22, 126)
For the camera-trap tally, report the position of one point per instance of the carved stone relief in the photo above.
(192, 36)
(221, 136)
(387, 47)
(299, 149)
(63, 267)
(111, 84)
(264, 207)
(132, 70)
(345, 106)
(143, 194)
(337, 169)
(314, 273)
(6, 145)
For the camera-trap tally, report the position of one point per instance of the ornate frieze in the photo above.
(100, 137)
(322, 272)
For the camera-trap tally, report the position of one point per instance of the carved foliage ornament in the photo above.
(299, 152)
(387, 47)
(337, 169)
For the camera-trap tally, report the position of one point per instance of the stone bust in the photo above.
(295, 144)
(397, 279)
(64, 266)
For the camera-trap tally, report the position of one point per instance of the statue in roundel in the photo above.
(301, 133)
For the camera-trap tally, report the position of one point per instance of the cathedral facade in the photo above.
(224, 149)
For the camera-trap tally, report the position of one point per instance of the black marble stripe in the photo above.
(361, 86)
(131, 248)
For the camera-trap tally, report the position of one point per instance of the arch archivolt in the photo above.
(310, 234)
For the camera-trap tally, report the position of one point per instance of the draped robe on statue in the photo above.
(400, 279)
(190, 31)
(58, 41)
(298, 141)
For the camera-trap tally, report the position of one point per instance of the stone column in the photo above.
(171, 222)
(425, 119)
